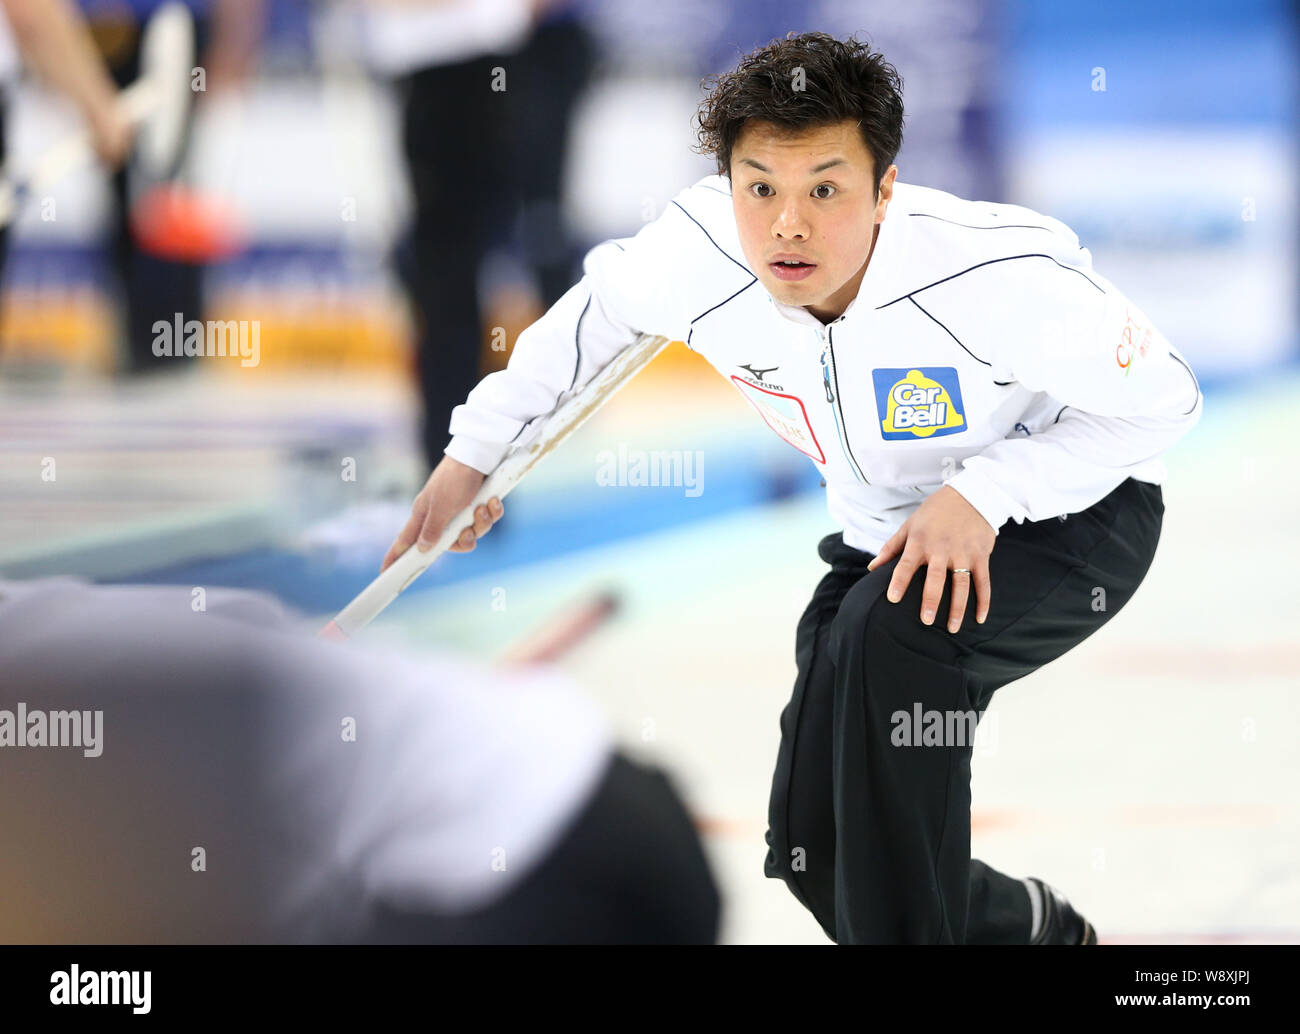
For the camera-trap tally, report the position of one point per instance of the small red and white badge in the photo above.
(784, 414)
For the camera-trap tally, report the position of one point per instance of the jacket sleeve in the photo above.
(629, 286)
(553, 357)
(1126, 392)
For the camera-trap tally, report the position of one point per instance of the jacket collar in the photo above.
(881, 282)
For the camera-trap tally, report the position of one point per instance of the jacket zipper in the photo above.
(828, 352)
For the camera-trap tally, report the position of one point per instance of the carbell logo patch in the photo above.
(922, 402)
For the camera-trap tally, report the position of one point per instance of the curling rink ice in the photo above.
(1150, 774)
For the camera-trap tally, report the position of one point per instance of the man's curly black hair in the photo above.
(840, 80)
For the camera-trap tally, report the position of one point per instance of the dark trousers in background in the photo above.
(152, 287)
(629, 870)
(873, 838)
(484, 166)
(452, 137)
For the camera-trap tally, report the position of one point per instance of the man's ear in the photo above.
(885, 192)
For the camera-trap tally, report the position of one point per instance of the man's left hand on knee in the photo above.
(945, 533)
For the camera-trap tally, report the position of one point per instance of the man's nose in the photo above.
(791, 224)
(791, 230)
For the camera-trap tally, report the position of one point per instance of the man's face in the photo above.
(807, 196)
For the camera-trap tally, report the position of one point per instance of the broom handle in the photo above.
(566, 418)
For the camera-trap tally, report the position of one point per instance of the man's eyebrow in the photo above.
(819, 168)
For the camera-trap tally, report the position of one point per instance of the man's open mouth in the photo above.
(791, 269)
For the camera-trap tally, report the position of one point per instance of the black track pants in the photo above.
(871, 833)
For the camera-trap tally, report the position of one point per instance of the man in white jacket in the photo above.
(981, 404)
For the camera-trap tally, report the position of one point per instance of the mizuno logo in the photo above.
(757, 374)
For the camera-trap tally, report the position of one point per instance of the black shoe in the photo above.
(1061, 923)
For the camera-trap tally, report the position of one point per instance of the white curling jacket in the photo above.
(982, 351)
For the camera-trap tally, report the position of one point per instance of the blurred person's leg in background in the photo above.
(153, 287)
(452, 129)
(548, 77)
(485, 167)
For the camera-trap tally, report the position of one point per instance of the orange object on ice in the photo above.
(178, 223)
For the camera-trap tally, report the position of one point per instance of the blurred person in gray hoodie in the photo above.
(185, 766)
